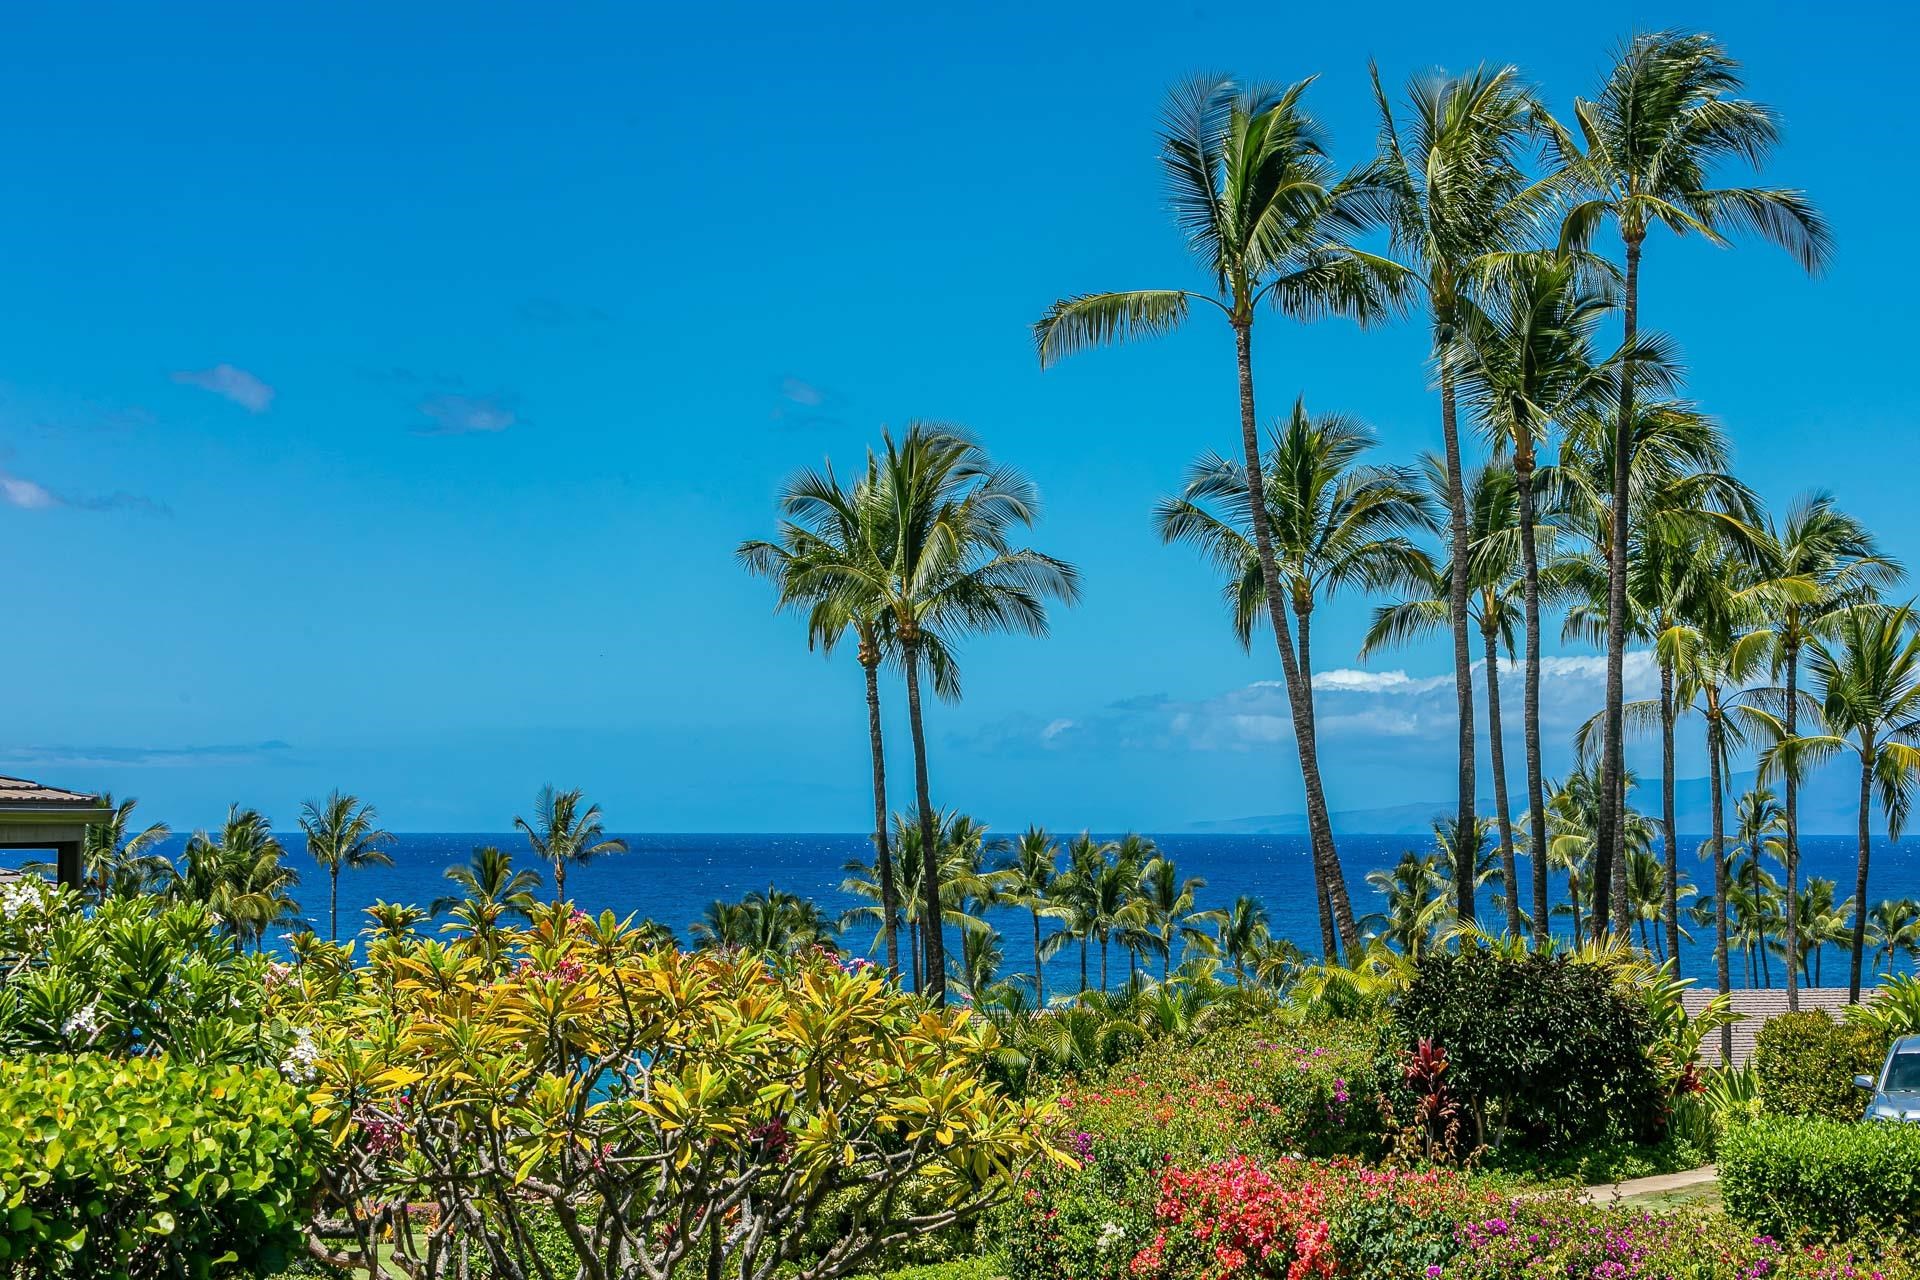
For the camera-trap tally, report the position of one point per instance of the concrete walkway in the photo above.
(1608, 1193)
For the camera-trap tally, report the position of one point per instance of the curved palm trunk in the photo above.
(1501, 813)
(1039, 967)
(1327, 873)
(1530, 707)
(1670, 854)
(1613, 768)
(1722, 971)
(1860, 872)
(1791, 657)
(1463, 856)
(1322, 901)
(883, 855)
(930, 914)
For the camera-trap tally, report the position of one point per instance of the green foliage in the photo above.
(1806, 1063)
(1724, 1096)
(130, 980)
(1894, 1010)
(149, 1167)
(1546, 1051)
(1794, 1176)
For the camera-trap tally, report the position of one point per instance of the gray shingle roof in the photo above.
(20, 793)
(1759, 1004)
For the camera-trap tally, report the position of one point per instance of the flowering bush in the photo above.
(668, 1112)
(1236, 1219)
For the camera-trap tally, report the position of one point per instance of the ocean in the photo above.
(672, 878)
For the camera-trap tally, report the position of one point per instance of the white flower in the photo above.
(83, 1024)
(1109, 1235)
(302, 1054)
(18, 897)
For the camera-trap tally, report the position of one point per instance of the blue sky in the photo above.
(382, 394)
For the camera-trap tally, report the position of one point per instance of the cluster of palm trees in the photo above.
(913, 555)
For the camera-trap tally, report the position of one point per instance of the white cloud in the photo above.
(237, 385)
(26, 494)
(461, 415)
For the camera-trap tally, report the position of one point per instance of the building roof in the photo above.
(1756, 1005)
(21, 793)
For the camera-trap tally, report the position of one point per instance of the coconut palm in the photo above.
(1415, 902)
(1524, 359)
(1333, 522)
(566, 831)
(1078, 892)
(1027, 880)
(945, 566)
(1894, 926)
(1170, 900)
(1493, 584)
(1755, 896)
(1823, 923)
(343, 834)
(119, 862)
(1823, 561)
(1867, 677)
(1240, 934)
(772, 923)
(1267, 216)
(489, 877)
(1645, 149)
(241, 874)
(1458, 202)
(826, 524)
(1573, 813)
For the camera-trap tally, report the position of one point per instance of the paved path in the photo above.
(1607, 1193)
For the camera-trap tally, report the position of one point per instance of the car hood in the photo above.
(1905, 1101)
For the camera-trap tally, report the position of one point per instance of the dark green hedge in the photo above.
(1807, 1062)
(1832, 1180)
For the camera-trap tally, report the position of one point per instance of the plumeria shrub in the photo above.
(130, 978)
(671, 1113)
(149, 1167)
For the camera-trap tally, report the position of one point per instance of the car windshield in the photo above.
(1903, 1073)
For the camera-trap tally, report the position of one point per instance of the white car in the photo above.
(1896, 1094)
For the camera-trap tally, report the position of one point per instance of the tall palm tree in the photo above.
(343, 834)
(1415, 902)
(1524, 359)
(1894, 924)
(826, 524)
(120, 862)
(1240, 933)
(1647, 145)
(945, 565)
(1170, 901)
(489, 877)
(566, 831)
(1457, 201)
(1333, 522)
(1078, 891)
(1027, 881)
(1686, 499)
(1831, 561)
(1494, 552)
(1759, 826)
(1868, 681)
(1823, 923)
(1267, 216)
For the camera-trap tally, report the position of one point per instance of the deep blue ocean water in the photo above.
(672, 878)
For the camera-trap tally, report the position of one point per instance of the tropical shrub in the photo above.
(1794, 1176)
(130, 979)
(665, 1109)
(1893, 1010)
(1806, 1063)
(1543, 1051)
(149, 1167)
(1723, 1097)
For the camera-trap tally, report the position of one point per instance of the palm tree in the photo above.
(1667, 113)
(343, 834)
(1573, 813)
(1868, 678)
(241, 875)
(772, 923)
(488, 877)
(1458, 201)
(562, 834)
(119, 862)
(827, 525)
(1823, 923)
(1266, 216)
(1240, 933)
(1027, 881)
(945, 566)
(1831, 561)
(1333, 522)
(1170, 901)
(1524, 359)
(1894, 924)
(1078, 892)
(1494, 555)
(1416, 902)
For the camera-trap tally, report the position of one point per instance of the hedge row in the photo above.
(1800, 1176)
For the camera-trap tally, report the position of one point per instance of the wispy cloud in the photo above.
(30, 495)
(231, 383)
(461, 415)
(1364, 711)
(23, 759)
(805, 405)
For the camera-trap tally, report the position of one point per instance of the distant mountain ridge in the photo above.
(1829, 806)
